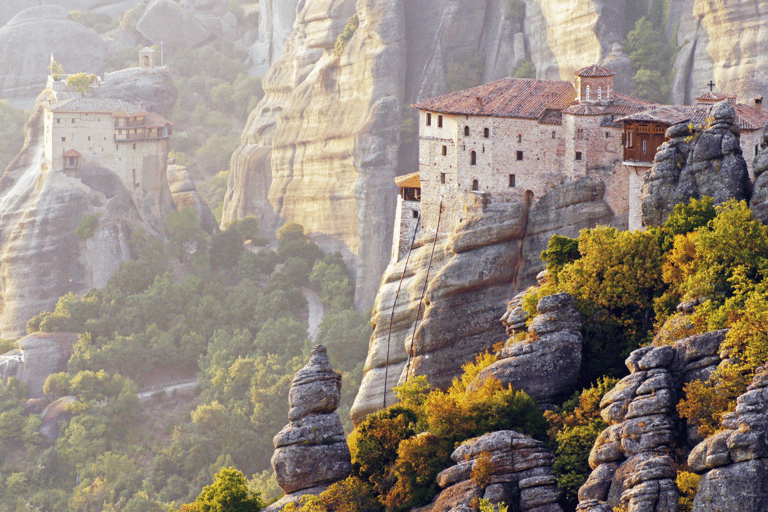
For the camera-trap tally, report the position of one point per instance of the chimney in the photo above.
(758, 103)
(479, 102)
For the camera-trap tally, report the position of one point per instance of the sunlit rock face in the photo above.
(724, 42)
(41, 259)
(321, 147)
(469, 280)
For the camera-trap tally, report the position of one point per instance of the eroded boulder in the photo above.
(311, 451)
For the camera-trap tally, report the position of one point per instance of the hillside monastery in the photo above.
(104, 132)
(517, 138)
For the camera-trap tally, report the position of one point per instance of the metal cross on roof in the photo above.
(711, 85)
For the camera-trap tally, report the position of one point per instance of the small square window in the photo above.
(445, 150)
(519, 156)
(73, 120)
(415, 214)
(63, 139)
(442, 177)
(578, 155)
(486, 133)
(89, 138)
(439, 121)
(554, 135)
(519, 137)
(58, 120)
(429, 119)
(607, 135)
(511, 180)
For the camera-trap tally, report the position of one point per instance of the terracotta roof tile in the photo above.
(411, 180)
(72, 152)
(154, 120)
(525, 98)
(714, 97)
(594, 71)
(749, 117)
(553, 117)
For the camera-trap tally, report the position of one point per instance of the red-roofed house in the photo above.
(519, 136)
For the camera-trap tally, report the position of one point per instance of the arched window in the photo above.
(486, 133)
(475, 185)
(472, 158)
(466, 131)
(587, 92)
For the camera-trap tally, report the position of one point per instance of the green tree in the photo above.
(228, 493)
(81, 82)
(184, 231)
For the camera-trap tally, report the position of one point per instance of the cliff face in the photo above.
(321, 147)
(472, 275)
(41, 259)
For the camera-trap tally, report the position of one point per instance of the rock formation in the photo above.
(152, 87)
(546, 365)
(520, 475)
(474, 272)
(632, 460)
(759, 201)
(276, 19)
(167, 21)
(41, 259)
(694, 165)
(43, 354)
(734, 461)
(184, 193)
(311, 451)
(29, 40)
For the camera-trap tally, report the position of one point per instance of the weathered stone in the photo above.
(660, 402)
(311, 429)
(614, 405)
(316, 388)
(166, 21)
(185, 194)
(647, 434)
(599, 482)
(742, 486)
(656, 468)
(299, 467)
(744, 446)
(454, 474)
(713, 452)
(659, 357)
(607, 447)
(515, 318)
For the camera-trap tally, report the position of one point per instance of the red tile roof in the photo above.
(714, 97)
(525, 98)
(98, 105)
(72, 152)
(749, 117)
(594, 71)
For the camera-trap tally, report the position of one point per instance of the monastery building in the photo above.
(518, 138)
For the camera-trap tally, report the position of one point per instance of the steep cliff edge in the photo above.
(473, 274)
(41, 259)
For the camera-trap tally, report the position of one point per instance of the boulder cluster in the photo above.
(734, 461)
(695, 164)
(632, 460)
(311, 451)
(546, 364)
(502, 466)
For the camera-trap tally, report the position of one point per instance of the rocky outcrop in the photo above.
(546, 365)
(41, 259)
(167, 21)
(632, 460)
(485, 261)
(184, 193)
(759, 201)
(153, 88)
(30, 39)
(320, 149)
(734, 461)
(311, 451)
(519, 475)
(42, 354)
(696, 164)
(276, 19)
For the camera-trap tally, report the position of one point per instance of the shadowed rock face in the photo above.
(520, 476)
(632, 459)
(44, 354)
(311, 451)
(473, 273)
(734, 461)
(695, 165)
(759, 202)
(41, 259)
(547, 366)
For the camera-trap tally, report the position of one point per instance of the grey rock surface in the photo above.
(521, 475)
(546, 366)
(632, 459)
(43, 354)
(759, 202)
(472, 277)
(29, 41)
(184, 193)
(167, 21)
(311, 451)
(696, 164)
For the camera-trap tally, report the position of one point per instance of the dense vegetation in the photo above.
(197, 306)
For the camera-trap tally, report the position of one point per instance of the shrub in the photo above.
(81, 82)
(87, 225)
(344, 37)
(687, 485)
(482, 470)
